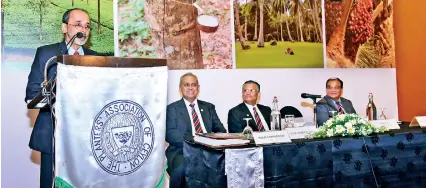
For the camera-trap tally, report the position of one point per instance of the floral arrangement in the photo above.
(347, 125)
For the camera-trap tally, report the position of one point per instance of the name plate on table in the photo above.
(389, 123)
(300, 132)
(271, 137)
(418, 121)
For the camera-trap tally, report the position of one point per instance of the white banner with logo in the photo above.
(110, 126)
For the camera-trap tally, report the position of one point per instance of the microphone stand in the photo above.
(77, 35)
(45, 92)
(315, 112)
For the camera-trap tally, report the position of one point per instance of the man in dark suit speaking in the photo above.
(73, 22)
(260, 115)
(186, 117)
(333, 101)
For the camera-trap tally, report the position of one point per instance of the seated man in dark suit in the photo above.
(73, 21)
(333, 101)
(186, 117)
(260, 115)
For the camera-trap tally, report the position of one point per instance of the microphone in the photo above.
(311, 96)
(77, 35)
(48, 63)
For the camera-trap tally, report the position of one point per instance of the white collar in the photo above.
(187, 103)
(251, 106)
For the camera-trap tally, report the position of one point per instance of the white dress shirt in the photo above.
(197, 110)
(71, 50)
(250, 107)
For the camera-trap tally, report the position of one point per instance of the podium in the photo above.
(42, 98)
(109, 119)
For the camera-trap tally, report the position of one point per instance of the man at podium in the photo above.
(333, 103)
(187, 117)
(76, 30)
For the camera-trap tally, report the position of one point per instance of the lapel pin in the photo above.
(201, 110)
(247, 115)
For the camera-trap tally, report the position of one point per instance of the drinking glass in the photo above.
(333, 113)
(248, 131)
(382, 116)
(289, 120)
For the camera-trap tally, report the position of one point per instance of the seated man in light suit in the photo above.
(260, 115)
(333, 102)
(186, 117)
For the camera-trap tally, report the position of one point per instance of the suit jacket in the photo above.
(236, 123)
(325, 105)
(42, 134)
(178, 125)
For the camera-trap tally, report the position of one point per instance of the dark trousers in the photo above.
(177, 172)
(46, 170)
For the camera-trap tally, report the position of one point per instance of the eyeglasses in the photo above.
(81, 26)
(336, 87)
(249, 90)
(187, 85)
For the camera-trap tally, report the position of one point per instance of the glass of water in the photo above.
(289, 120)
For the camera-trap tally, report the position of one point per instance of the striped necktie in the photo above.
(195, 119)
(258, 121)
(339, 108)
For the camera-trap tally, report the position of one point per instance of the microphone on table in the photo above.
(310, 96)
(314, 98)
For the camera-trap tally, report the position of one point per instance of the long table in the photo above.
(396, 158)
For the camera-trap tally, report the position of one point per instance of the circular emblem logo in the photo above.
(122, 137)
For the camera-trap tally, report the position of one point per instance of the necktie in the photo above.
(257, 119)
(339, 108)
(76, 53)
(195, 119)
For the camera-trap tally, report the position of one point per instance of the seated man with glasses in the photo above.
(73, 21)
(333, 103)
(260, 115)
(186, 117)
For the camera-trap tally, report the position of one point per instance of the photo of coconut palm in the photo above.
(359, 34)
(190, 34)
(278, 33)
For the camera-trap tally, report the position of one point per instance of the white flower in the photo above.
(351, 130)
(330, 132)
(339, 129)
(376, 130)
(340, 117)
(328, 123)
(348, 125)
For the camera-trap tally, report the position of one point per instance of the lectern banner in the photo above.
(110, 126)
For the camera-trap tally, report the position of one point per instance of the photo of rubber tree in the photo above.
(29, 24)
(189, 34)
(278, 33)
(359, 34)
